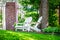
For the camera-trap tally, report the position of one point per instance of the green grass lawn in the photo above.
(10, 35)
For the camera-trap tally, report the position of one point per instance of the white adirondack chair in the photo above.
(35, 28)
(25, 26)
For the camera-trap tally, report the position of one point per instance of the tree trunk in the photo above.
(44, 13)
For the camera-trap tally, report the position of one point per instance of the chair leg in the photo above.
(16, 29)
(23, 30)
(28, 29)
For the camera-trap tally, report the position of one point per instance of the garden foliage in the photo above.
(53, 5)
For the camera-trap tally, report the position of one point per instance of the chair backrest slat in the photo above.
(28, 21)
(39, 21)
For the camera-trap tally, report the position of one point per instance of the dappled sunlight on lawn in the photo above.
(11, 35)
(22, 35)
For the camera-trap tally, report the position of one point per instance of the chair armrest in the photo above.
(19, 24)
(35, 22)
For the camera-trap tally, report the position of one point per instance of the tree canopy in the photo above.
(53, 4)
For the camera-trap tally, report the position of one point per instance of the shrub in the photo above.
(33, 14)
(20, 20)
(51, 29)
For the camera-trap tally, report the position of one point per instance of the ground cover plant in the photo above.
(10, 35)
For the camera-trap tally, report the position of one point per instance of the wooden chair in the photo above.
(35, 28)
(26, 25)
